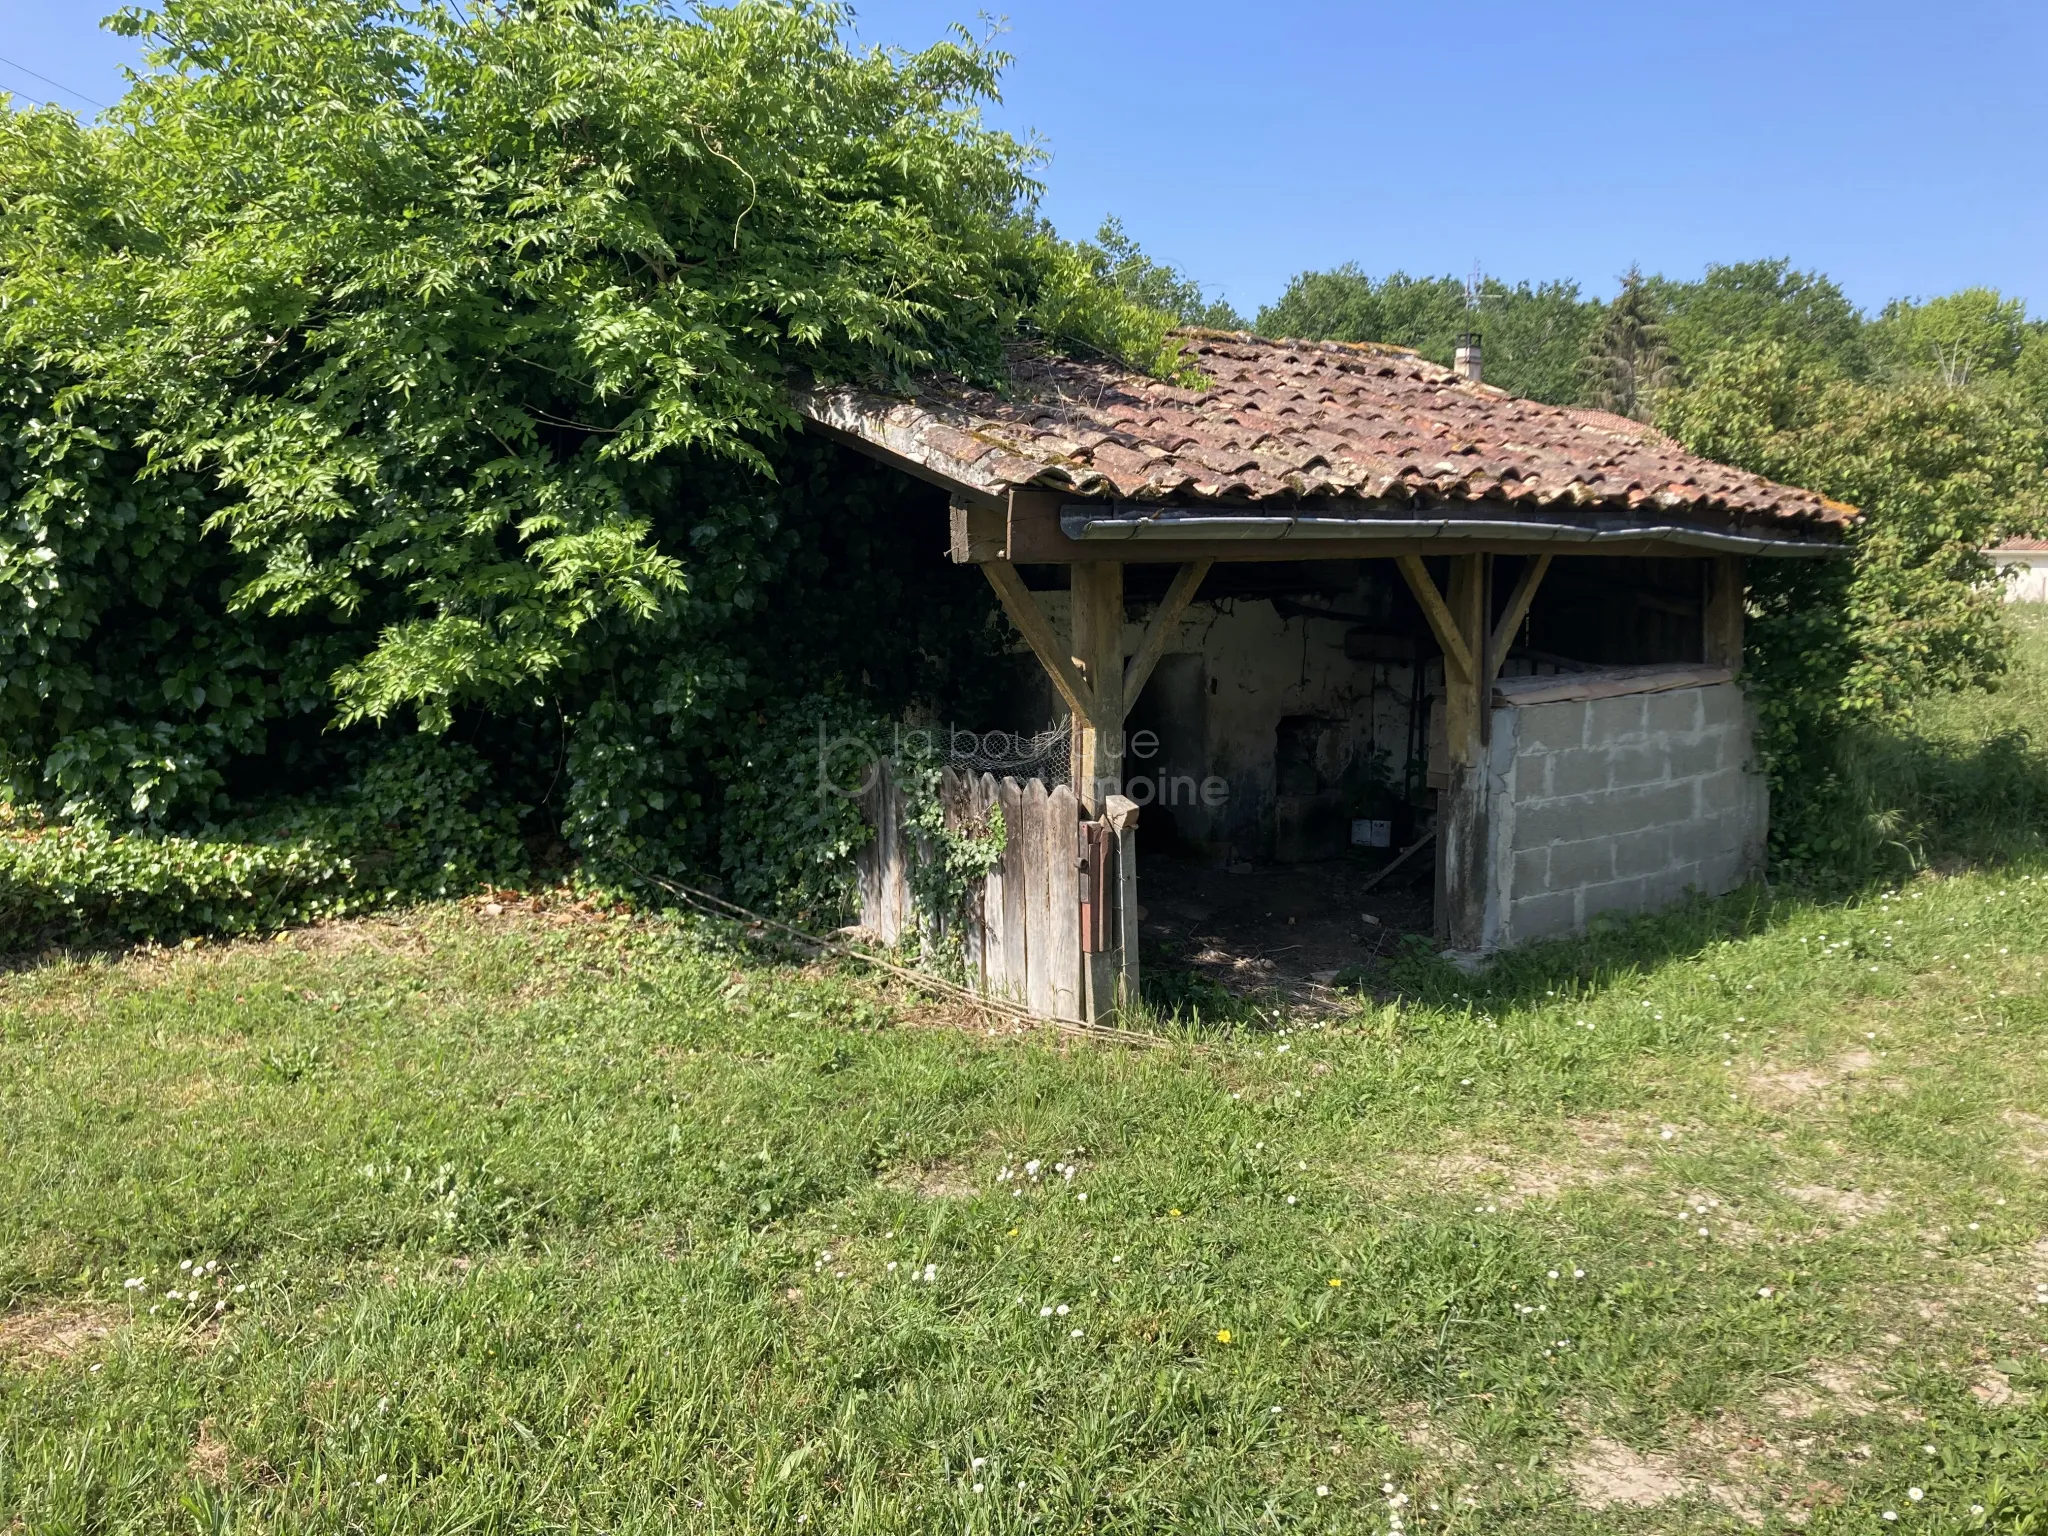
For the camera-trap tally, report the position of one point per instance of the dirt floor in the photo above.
(1300, 930)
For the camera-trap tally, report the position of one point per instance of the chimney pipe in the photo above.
(1467, 360)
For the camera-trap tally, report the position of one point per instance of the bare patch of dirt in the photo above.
(1512, 1177)
(1606, 1474)
(1994, 1389)
(39, 1335)
(347, 936)
(934, 1181)
(2030, 1145)
(1414, 1424)
(1798, 1083)
(211, 1458)
(1509, 1177)
(1306, 932)
(1831, 1385)
(1847, 1206)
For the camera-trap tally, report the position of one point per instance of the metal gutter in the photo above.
(1086, 523)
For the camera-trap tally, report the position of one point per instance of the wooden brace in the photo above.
(1037, 631)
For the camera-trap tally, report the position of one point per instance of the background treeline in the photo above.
(1550, 341)
(399, 490)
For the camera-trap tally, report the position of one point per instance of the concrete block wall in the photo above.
(1619, 805)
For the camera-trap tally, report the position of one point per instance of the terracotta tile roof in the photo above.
(1290, 425)
(2021, 547)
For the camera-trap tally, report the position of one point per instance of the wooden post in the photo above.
(1461, 862)
(1122, 815)
(1031, 623)
(1098, 605)
(1065, 975)
(1724, 613)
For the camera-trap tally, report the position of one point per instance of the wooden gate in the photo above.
(1053, 927)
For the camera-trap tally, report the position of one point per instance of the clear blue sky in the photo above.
(1898, 147)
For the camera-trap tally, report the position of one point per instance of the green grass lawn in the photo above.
(550, 1220)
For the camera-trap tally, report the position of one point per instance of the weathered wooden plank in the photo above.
(1723, 616)
(1608, 683)
(1450, 636)
(974, 931)
(882, 891)
(868, 862)
(1122, 816)
(1015, 902)
(1038, 985)
(988, 900)
(1063, 901)
(896, 865)
(1517, 610)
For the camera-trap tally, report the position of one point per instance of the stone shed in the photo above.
(1317, 597)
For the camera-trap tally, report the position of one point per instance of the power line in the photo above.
(59, 84)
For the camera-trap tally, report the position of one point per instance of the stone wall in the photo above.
(1619, 804)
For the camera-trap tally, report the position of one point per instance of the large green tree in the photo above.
(391, 359)
(1804, 314)
(1628, 363)
(1939, 473)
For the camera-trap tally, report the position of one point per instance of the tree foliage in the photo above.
(1628, 363)
(1939, 474)
(1533, 336)
(1121, 264)
(391, 361)
(1804, 313)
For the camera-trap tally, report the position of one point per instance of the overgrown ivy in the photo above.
(380, 366)
(953, 854)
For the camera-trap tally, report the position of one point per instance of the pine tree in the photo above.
(1628, 362)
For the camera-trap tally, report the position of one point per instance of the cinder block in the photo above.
(1697, 842)
(1719, 875)
(1613, 722)
(1532, 871)
(1563, 821)
(1695, 754)
(1724, 792)
(1589, 861)
(1544, 917)
(1582, 771)
(1678, 710)
(1552, 727)
(1722, 705)
(1630, 767)
(1652, 805)
(1617, 896)
(1641, 853)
